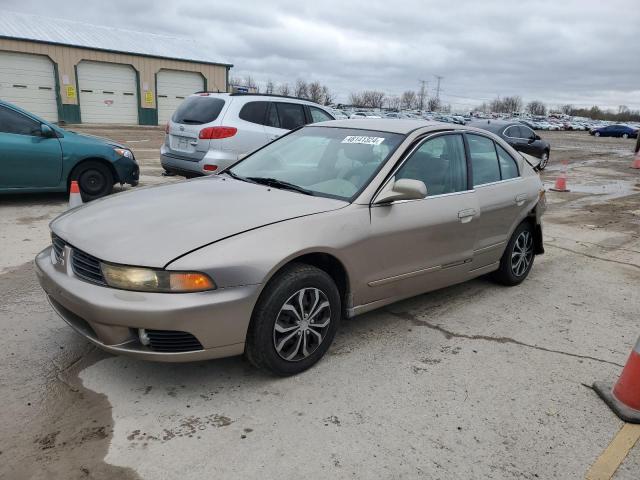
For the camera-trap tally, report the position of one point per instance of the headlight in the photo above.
(123, 152)
(149, 280)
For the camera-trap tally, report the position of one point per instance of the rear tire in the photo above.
(597, 134)
(517, 259)
(544, 160)
(94, 179)
(295, 320)
(625, 135)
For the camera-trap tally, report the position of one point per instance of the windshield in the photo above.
(331, 162)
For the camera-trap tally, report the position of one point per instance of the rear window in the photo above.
(198, 110)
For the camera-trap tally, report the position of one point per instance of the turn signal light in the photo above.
(217, 133)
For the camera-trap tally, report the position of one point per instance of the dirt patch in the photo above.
(52, 426)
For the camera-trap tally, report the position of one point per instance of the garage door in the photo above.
(173, 87)
(28, 81)
(107, 93)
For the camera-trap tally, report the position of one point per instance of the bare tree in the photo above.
(356, 99)
(284, 90)
(301, 89)
(433, 104)
(251, 84)
(393, 102)
(269, 89)
(314, 90)
(373, 98)
(567, 109)
(408, 99)
(536, 107)
(327, 96)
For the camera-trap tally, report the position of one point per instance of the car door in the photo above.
(513, 136)
(252, 132)
(531, 145)
(501, 194)
(283, 117)
(27, 158)
(421, 245)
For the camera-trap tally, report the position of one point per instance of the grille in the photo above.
(172, 341)
(87, 267)
(58, 246)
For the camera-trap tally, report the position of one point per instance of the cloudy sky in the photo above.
(583, 52)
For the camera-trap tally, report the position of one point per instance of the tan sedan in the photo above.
(330, 221)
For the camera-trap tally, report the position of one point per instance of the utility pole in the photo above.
(438, 77)
(424, 86)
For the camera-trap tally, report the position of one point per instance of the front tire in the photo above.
(94, 179)
(295, 320)
(517, 259)
(597, 134)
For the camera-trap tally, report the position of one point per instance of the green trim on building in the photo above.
(148, 116)
(70, 113)
(75, 74)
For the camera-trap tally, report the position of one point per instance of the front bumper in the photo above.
(127, 170)
(110, 318)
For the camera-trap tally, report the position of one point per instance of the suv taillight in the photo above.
(166, 128)
(216, 133)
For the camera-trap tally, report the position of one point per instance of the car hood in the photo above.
(92, 139)
(153, 226)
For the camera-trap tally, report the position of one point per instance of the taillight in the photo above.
(216, 133)
(210, 168)
(166, 128)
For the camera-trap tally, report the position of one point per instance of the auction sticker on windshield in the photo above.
(363, 140)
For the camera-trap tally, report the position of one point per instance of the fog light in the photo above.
(144, 337)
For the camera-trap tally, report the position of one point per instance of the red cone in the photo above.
(624, 397)
(561, 181)
(636, 161)
(75, 199)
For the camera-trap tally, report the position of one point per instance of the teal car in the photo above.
(38, 156)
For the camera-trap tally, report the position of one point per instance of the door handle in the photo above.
(467, 215)
(521, 198)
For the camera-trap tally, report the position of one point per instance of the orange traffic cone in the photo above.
(75, 199)
(636, 160)
(624, 397)
(561, 181)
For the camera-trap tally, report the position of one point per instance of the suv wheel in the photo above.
(517, 259)
(544, 160)
(295, 321)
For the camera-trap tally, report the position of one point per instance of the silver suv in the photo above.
(210, 131)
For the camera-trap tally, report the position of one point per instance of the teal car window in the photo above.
(16, 123)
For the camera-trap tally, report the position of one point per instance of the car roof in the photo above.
(493, 125)
(402, 126)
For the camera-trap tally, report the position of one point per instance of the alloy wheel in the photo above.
(522, 253)
(301, 324)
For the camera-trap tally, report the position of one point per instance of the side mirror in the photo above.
(537, 137)
(402, 189)
(47, 131)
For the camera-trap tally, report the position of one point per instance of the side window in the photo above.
(254, 112)
(513, 132)
(14, 122)
(440, 163)
(318, 115)
(508, 166)
(484, 160)
(526, 132)
(272, 116)
(291, 115)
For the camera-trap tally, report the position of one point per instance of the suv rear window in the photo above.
(198, 110)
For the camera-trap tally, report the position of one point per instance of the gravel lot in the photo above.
(472, 381)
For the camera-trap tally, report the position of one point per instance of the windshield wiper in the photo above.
(238, 177)
(274, 182)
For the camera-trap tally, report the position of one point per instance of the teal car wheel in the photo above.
(94, 179)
